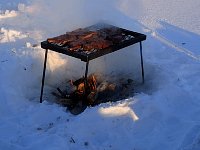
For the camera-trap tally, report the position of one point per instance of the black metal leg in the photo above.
(86, 73)
(142, 62)
(43, 76)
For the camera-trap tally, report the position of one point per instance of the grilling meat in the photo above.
(89, 36)
(62, 39)
(86, 40)
(97, 44)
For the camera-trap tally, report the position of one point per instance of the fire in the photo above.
(81, 90)
(82, 93)
(85, 87)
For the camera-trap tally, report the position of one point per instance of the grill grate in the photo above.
(130, 38)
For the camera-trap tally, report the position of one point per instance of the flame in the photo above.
(92, 83)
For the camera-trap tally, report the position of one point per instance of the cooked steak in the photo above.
(87, 40)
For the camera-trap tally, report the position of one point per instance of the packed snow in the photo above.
(162, 114)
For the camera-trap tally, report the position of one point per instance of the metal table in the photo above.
(86, 57)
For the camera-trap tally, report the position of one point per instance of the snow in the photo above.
(162, 114)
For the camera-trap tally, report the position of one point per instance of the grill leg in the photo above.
(43, 76)
(142, 62)
(86, 73)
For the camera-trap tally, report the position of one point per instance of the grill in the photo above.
(127, 38)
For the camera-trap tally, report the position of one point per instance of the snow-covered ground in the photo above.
(163, 114)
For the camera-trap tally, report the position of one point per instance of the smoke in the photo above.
(41, 19)
(56, 17)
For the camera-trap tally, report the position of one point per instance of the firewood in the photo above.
(65, 101)
(79, 108)
(111, 87)
(61, 92)
(92, 97)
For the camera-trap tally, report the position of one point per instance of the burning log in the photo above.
(77, 97)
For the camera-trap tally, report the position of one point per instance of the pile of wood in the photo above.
(78, 95)
(87, 40)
